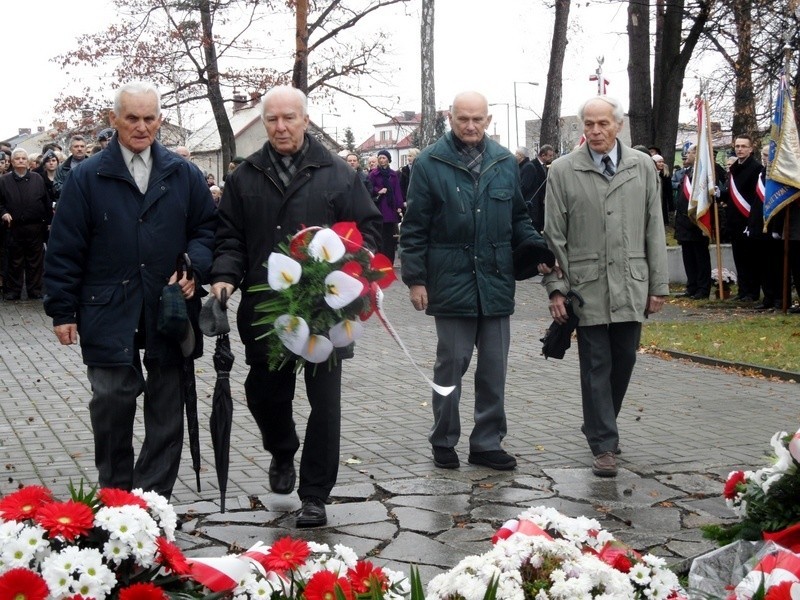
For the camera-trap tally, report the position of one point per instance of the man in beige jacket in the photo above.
(603, 221)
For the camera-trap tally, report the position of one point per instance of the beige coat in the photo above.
(608, 236)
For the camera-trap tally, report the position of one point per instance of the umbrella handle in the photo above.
(184, 263)
(223, 299)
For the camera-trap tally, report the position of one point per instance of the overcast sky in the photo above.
(511, 38)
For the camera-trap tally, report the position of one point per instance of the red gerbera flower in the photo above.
(383, 265)
(366, 577)
(117, 497)
(734, 479)
(286, 554)
(22, 584)
(350, 235)
(23, 503)
(171, 557)
(142, 591)
(323, 585)
(67, 519)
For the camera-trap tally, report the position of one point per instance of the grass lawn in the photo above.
(768, 340)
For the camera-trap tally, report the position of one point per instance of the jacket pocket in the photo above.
(500, 214)
(584, 268)
(97, 295)
(638, 267)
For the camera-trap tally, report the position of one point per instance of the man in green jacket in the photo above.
(465, 214)
(603, 221)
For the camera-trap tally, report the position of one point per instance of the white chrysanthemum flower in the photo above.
(640, 574)
(654, 561)
(143, 549)
(92, 587)
(161, 510)
(35, 537)
(9, 530)
(348, 555)
(116, 551)
(17, 553)
(318, 548)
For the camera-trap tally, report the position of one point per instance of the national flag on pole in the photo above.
(783, 175)
(703, 173)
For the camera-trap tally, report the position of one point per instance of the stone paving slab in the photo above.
(684, 427)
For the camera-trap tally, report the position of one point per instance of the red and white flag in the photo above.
(703, 173)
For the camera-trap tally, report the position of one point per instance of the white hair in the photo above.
(285, 89)
(618, 113)
(18, 150)
(136, 88)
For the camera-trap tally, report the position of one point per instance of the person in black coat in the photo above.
(25, 211)
(298, 184)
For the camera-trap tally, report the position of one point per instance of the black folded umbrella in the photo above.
(558, 337)
(222, 410)
(188, 380)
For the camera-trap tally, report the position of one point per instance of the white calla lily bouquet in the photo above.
(324, 283)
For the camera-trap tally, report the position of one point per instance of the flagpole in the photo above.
(707, 124)
(785, 289)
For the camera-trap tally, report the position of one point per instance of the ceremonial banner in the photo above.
(783, 175)
(703, 182)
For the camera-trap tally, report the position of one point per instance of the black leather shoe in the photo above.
(282, 475)
(445, 458)
(312, 514)
(499, 460)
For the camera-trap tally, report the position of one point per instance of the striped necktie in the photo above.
(609, 169)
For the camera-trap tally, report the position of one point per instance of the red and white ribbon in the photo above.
(740, 201)
(439, 389)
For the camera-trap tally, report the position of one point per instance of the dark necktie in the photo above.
(609, 169)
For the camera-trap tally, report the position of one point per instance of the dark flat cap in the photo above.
(528, 255)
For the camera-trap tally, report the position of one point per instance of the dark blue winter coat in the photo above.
(112, 250)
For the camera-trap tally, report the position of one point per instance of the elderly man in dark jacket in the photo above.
(124, 217)
(25, 210)
(291, 183)
(465, 215)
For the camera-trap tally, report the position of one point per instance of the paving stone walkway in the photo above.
(684, 426)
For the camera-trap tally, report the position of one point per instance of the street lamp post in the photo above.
(516, 115)
(508, 122)
(322, 122)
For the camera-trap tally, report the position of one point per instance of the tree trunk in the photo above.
(226, 138)
(551, 113)
(744, 108)
(671, 70)
(427, 124)
(640, 111)
(300, 71)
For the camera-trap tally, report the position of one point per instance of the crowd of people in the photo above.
(97, 234)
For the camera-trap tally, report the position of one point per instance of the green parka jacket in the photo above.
(458, 234)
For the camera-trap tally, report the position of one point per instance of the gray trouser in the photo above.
(458, 336)
(607, 354)
(112, 410)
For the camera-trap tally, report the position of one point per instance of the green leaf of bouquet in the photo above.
(417, 591)
(259, 287)
(491, 591)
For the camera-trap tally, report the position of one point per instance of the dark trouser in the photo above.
(697, 264)
(269, 398)
(770, 259)
(388, 241)
(607, 354)
(747, 267)
(794, 265)
(458, 337)
(25, 259)
(112, 410)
